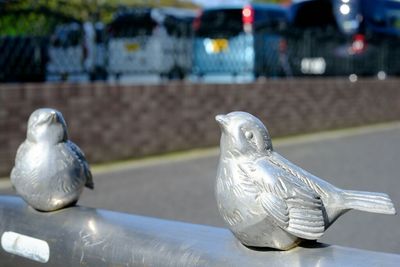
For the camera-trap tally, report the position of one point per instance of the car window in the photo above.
(313, 14)
(132, 24)
(67, 35)
(221, 23)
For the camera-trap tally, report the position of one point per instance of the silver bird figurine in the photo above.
(50, 171)
(266, 200)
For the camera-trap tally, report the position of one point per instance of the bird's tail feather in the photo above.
(89, 184)
(369, 201)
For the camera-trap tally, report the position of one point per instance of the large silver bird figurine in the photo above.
(50, 171)
(266, 200)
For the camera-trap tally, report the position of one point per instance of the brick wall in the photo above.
(111, 122)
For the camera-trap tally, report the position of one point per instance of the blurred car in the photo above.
(382, 19)
(178, 24)
(382, 16)
(66, 50)
(95, 48)
(240, 40)
(340, 37)
(150, 41)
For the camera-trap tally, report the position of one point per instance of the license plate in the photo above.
(132, 47)
(216, 45)
(315, 65)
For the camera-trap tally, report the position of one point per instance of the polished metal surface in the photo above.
(50, 171)
(266, 200)
(79, 236)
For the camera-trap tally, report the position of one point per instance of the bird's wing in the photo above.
(288, 201)
(319, 186)
(83, 162)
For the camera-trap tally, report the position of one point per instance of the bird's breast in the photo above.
(46, 161)
(37, 156)
(237, 206)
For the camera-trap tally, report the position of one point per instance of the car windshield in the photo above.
(383, 16)
(393, 14)
(220, 23)
(132, 24)
(394, 18)
(67, 35)
(313, 14)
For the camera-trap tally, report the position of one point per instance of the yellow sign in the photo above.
(132, 47)
(219, 45)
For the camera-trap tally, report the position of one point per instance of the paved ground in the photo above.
(181, 187)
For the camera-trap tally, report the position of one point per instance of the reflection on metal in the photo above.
(50, 171)
(80, 236)
(266, 200)
(25, 246)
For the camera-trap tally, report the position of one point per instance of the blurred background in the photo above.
(86, 40)
(140, 79)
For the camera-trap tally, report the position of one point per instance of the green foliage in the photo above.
(39, 17)
(26, 24)
(89, 9)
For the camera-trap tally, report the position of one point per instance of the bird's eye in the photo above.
(249, 135)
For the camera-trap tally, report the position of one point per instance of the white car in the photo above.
(66, 52)
(140, 42)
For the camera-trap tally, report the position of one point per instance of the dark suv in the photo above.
(339, 37)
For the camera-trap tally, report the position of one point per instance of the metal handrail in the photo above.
(81, 236)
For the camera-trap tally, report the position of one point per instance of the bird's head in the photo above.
(47, 125)
(243, 133)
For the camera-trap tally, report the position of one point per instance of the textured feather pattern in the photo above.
(369, 201)
(288, 200)
(301, 176)
(21, 170)
(34, 170)
(81, 157)
(71, 172)
(50, 171)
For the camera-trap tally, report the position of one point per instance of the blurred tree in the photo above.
(25, 20)
(89, 9)
(39, 17)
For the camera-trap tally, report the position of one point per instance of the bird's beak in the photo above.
(222, 120)
(53, 116)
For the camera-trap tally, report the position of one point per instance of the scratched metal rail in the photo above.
(80, 236)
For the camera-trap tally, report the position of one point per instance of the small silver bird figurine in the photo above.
(50, 171)
(266, 200)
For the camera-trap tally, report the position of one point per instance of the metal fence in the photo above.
(56, 47)
(316, 52)
(28, 41)
(23, 58)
